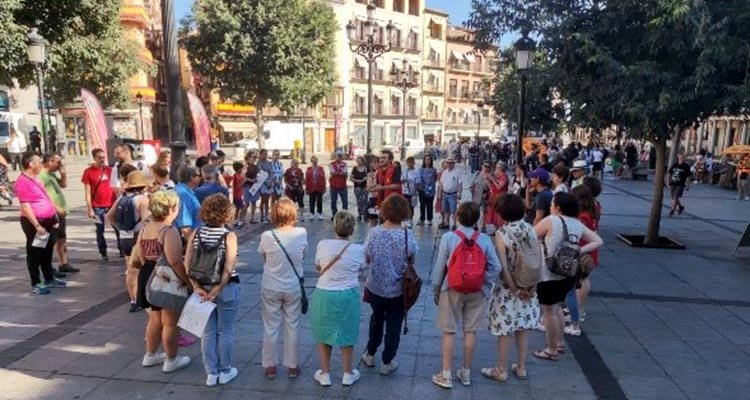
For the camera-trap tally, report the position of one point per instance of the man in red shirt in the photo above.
(339, 172)
(388, 177)
(99, 196)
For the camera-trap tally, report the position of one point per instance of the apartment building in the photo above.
(434, 56)
(468, 74)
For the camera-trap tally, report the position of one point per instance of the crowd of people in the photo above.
(502, 264)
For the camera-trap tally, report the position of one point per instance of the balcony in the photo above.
(427, 88)
(432, 116)
(459, 67)
(433, 64)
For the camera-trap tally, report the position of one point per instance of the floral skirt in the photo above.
(508, 313)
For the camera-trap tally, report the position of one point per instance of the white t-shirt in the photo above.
(449, 180)
(114, 179)
(597, 155)
(409, 178)
(277, 273)
(555, 237)
(345, 273)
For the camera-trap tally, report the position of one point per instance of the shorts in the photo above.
(597, 165)
(126, 246)
(467, 310)
(450, 203)
(62, 229)
(250, 198)
(239, 203)
(553, 292)
(677, 191)
(144, 274)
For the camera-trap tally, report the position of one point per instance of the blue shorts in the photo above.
(249, 197)
(450, 203)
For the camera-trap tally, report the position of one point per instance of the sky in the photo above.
(457, 9)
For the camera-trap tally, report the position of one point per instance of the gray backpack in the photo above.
(566, 259)
(208, 261)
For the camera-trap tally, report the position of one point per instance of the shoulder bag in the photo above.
(304, 302)
(335, 259)
(412, 283)
(164, 288)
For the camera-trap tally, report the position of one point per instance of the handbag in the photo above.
(412, 283)
(164, 288)
(303, 300)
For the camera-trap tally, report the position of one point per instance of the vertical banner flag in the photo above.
(201, 125)
(95, 122)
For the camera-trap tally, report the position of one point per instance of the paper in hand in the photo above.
(195, 315)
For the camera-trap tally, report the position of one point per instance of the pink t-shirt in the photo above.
(32, 191)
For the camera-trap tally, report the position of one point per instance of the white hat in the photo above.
(579, 164)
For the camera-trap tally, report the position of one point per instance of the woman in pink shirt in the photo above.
(39, 223)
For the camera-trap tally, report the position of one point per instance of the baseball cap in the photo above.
(579, 164)
(539, 173)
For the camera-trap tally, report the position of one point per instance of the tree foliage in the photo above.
(87, 48)
(278, 52)
(650, 66)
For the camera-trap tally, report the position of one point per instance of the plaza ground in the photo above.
(661, 324)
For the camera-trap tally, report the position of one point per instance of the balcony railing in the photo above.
(432, 88)
(433, 63)
(454, 66)
(432, 115)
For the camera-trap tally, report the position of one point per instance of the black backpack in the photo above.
(566, 259)
(125, 219)
(208, 261)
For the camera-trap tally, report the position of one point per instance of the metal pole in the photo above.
(174, 92)
(304, 134)
(521, 118)
(40, 89)
(404, 90)
(370, 62)
(140, 111)
(479, 128)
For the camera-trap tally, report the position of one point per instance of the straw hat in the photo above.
(137, 179)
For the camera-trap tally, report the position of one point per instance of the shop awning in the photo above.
(238, 126)
(457, 55)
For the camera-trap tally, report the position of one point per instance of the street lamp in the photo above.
(139, 100)
(36, 49)
(480, 111)
(404, 80)
(524, 48)
(365, 46)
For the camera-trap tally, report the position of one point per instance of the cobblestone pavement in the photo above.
(662, 324)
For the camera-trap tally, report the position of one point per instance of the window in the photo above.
(436, 30)
(378, 35)
(414, 7)
(398, 5)
(4, 101)
(464, 89)
(434, 58)
(411, 133)
(412, 107)
(359, 104)
(477, 89)
(453, 91)
(359, 70)
(396, 38)
(478, 67)
(454, 117)
(378, 74)
(379, 3)
(378, 105)
(362, 1)
(412, 41)
(395, 105)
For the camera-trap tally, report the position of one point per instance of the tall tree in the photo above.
(87, 48)
(652, 66)
(261, 52)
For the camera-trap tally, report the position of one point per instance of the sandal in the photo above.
(520, 373)
(294, 372)
(560, 349)
(270, 372)
(545, 355)
(495, 374)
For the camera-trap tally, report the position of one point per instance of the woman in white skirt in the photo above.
(336, 304)
(513, 310)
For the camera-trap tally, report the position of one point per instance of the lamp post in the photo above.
(36, 49)
(404, 80)
(524, 48)
(370, 50)
(139, 100)
(480, 110)
(174, 91)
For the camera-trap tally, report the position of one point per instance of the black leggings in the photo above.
(36, 257)
(388, 313)
(426, 207)
(316, 200)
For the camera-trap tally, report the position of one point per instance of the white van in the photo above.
(278, 136)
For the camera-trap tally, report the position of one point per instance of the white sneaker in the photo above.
(443, 379)
(225, 378)
(153, 359)
(387, 369)
(570, 330)
(174, 364)
(464, 375)
(321, 378)
(368, 360)
(212, 380)
(320, 217)
(350, 379)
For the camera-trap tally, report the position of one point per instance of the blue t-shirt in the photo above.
(189, 207)
(542, 202)
(207, 189)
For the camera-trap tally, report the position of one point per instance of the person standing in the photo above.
(426, 187)
(218, 337)
(450, 189)
(294, 180)
(388, 177)
(480, 190)
(187, 218)
(277, 177)
(251, 177)
(283, 250)
(16, 146)
(679, 182)
(267, 188)
(54, 186)
(238, 193)
(409, 180)
(560, 175)
(578, 172)
(39, 224)
(459, 307)
(597, 158)
(35, 138)
(339, 172)
(123, 156)
(5, 190)
(336, 307)
(315, 185)
(389, 248)
(210, 185)
(498, 187)
(539, 206)
(99, 196)
(161, 179)
(359, 179)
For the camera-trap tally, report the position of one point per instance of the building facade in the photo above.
(434, 57)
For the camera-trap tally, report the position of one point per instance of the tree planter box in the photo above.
(664, 242)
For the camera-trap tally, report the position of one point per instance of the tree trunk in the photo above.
(259, 103)
(654, 220)
(676, 142)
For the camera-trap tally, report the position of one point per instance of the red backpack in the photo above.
(467, 265)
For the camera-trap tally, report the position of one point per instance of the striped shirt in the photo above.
(211, 235)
